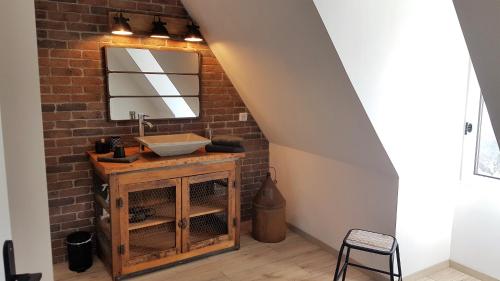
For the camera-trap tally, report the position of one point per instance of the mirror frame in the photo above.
(109, 97)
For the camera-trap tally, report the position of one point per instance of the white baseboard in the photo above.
(412, 277)
(373, 275)
(471, 272)
(427, 271)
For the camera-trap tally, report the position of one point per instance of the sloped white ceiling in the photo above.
(480, 22)
(281, 60)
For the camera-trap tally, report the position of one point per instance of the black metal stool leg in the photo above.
(391, 267)
(346, 263)
(399, 264)
(339, 260)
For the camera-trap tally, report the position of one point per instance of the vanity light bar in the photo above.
(138, 24)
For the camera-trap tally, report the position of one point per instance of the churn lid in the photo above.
(269, 197)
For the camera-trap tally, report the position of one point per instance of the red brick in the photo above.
(50, 134)
(73, 175)
(71, 107)
(85, 63)
(43, 24)
(59, 168)
(68, 17)
(63, 71)
(57, 151)
(71, 141)
(93, 2)
(166, 2)
(93, 72)
(95, 19)
(48, 108)
(55, 44)
(86, 81)
(74, 8)
(176, 11)
(73, 54)
(87, 115)
(54, 62)
(42, 53)
(83, 45)
(85, 198)
(70, 89)
(86, 214)
(73, 159)
(59, 185)
(63, 35)
(87, 132)
(55, 98)
(149, 7)
(86, 98)
(45, 5)
(61, 202)
(76, 224)
(74, 192)
(82, 27)
(62, 218)
(55, 80)
(121, 4)
(76, 208)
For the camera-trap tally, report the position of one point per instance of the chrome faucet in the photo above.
(143, 122)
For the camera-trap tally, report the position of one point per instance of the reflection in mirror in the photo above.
(140, 84)
(156, 107)
(162, 84)
(144, 60)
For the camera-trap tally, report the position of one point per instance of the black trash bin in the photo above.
(79, 246)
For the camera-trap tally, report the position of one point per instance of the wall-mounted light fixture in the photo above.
(193, 34)
(121, 26)
(159, 29)
(155, 26)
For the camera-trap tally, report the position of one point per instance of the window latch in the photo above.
(468, 128)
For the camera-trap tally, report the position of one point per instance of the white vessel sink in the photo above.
(170, 145)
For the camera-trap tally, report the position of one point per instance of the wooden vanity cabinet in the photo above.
(159, 211)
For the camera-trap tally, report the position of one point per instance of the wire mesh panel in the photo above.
(208, 212)
(152, 223)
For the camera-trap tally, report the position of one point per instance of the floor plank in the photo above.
(294, 259)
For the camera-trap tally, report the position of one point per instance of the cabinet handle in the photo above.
(182, 223)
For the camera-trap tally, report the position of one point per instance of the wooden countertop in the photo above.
(149, 160)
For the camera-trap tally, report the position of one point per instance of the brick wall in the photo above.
(71, 34)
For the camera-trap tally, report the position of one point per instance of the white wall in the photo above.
(5, 233)
(476, 226)
(326, 197)
(290, 78)
(332, 167)
(481, 28)
(22, 138)
(408, 61)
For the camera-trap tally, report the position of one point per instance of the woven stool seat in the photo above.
(367, 240)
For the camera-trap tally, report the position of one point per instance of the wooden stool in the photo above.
(371, 242)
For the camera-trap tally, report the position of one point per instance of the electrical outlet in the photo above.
(243, 116)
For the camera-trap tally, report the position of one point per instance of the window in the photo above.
(487, 162)
(481, 153)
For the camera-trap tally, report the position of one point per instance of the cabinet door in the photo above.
(149, 225)
(208, 210)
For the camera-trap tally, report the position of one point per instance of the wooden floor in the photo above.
(294, 259)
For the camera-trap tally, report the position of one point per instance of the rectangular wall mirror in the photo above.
(162, 84)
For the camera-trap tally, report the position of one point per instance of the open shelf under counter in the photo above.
(155, 242)
(149, 222)
(202, 210)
